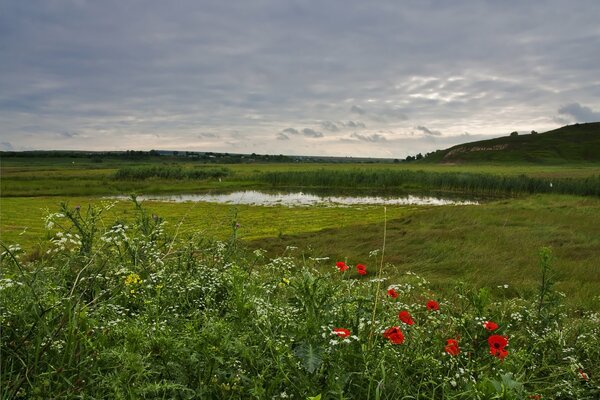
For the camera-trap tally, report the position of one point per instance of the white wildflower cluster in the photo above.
(64, 242)
(420, 280)
(259, 253)
(517, 316)
(374, 253)
(219, 250)
(107, 205)
(14, 249)
(6, 283)
(403, 288)
(115, 235)
(50, 219)
(281, 264)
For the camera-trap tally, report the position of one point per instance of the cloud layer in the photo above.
(334, 78)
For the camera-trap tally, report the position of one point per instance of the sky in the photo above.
(337, 78)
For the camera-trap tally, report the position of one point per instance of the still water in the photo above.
(302, 199)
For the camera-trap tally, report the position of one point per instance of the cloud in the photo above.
(330, 126)
(207, 135)
(6, 146)
(580, 113)
(428, 131)
(120, 74)
(337, 126)
(69, 135)
(355, 124)
(374, 138)
(290, 131)
(311, 133)
(285, 134)
(389, 114)
(357, 110)
(307, 132)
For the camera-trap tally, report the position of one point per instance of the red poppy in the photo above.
(361, 269)
(433, 305)
(452, 347)
(535, 396)
(497, 346)
(341, 266)
(342, 332)
(392, 293)
(500, 353)
(583, 375)
(490, 325)
(394, 335)
(405, 317)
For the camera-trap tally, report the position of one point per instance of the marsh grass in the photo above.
(144, 313)
(419, 179)
(169, 172)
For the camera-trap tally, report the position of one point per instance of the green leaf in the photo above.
(310, 356)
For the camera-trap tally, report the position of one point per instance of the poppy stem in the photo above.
(379, 274)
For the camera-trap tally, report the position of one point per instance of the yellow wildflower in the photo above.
(132, 279)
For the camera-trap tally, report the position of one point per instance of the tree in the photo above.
(514, 133)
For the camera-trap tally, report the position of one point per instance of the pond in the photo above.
(303, 199)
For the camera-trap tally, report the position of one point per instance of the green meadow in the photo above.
(491, 244)
(111, 298)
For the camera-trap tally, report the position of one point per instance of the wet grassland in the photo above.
(114, 298)
(493, 243)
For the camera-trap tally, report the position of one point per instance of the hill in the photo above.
(571, 143)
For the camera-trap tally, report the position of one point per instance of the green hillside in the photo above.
(571, 143)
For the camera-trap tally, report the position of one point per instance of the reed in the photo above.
(410, 179)
(169, 172)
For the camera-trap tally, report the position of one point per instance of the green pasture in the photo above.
(491, 244)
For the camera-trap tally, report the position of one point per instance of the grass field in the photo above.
(143, 313)
(458, 242)
(206, 300)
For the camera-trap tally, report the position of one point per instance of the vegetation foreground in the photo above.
(132, 311)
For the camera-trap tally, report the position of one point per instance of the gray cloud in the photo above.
(428, 131)
(580, 113)
(355, 124)
(374, 138)
(357, 110)
(306, 132)
(153, 75)
(337, 126)
(311, 133)
(208, 135)
(330, 126)
(6, 146)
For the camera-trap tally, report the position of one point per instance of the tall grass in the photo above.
(132, 312)
(169, 172)
(409, 179)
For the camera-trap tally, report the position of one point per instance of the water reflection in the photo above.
(301, 199)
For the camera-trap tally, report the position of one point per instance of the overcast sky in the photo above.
(344, 78)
